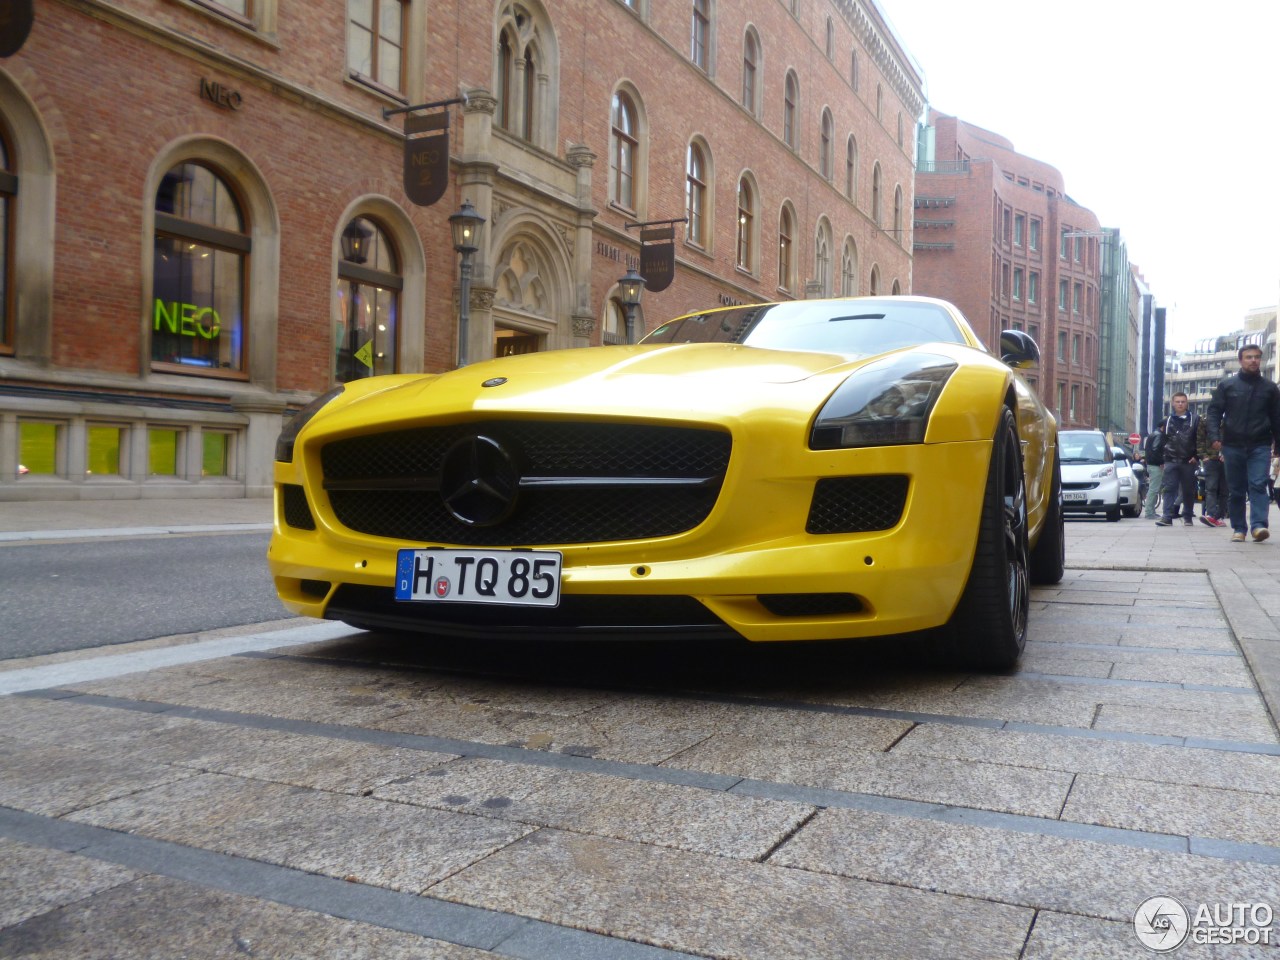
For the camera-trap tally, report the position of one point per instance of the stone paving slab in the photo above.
(157, 918)
(368, 840)
(1138, 761)
(56, 780)
(59, 879)
(1071, 876)
(1252, 725)
(726, 825)
(1241, 815)
(627, 742)
(712, 906)
(986, 786)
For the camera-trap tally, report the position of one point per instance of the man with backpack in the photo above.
(1153, 457)
(1180, 463)
(1244, 423)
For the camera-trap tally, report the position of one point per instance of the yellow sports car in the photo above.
(808, 470)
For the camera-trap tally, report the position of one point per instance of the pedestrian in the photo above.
(1215, 479)
(1244, 424)
(1180, 461)
(1153, 456)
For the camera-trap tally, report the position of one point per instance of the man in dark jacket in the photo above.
(1180, 462)
(1243, 422)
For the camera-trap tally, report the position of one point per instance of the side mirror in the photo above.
(1018, 350)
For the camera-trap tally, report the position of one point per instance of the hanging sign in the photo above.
(657, 257)
(16, 18)
(426, 157)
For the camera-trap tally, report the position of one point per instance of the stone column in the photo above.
(476, 173)
(582, 159)
(265, 418)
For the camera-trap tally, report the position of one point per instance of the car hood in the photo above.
(685, 381)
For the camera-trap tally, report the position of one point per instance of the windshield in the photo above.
(1083, 446)
(851, 328)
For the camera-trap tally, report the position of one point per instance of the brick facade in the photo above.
(106, 96)
(987, 221)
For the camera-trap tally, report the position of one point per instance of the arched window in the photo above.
(750, 71)
(849, 269)
(200, 268)
(879, 102)
(746, 222)
(367, 308)
(831, 39)
(786, 264)
(525, 73)
(898, 232)
(826, 160)
(853, 71)
(695, 178)
(625, 147)
(700, 34)
(874, 287)
(822, 258)
(875, 194)
(790, 101)
(897, 289)
(851, 169)
(8, 193)
(901, 138)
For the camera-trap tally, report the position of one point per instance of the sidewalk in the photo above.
(64, 519)
(1245, 576)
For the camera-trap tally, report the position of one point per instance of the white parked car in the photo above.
(1130, 476)
(1090, 482)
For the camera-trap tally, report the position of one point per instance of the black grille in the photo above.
(670, 617)
(293, 503)
(857, 504)
(809, 604)
(614, 482)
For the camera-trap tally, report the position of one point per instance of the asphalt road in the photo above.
(69, 596)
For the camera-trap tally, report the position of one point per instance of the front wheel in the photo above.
(990, 622)
(1113, 515)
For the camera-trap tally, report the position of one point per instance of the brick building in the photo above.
(207, 221)
(997, 234)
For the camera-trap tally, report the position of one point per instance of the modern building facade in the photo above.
(1118, 331)
(997, 234)
(208, 220)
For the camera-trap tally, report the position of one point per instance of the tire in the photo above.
(1049, 558)
(1132, 512)
(1113, 515)
(989, 625)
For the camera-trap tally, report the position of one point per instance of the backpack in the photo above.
(1155, 448)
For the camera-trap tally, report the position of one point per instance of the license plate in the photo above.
(1070, 497)
(526, 578)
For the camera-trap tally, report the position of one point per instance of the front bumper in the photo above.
(749, 569)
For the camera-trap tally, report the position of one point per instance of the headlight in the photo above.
(886, 402)
(289, 435)
(1101, 473)
(1126, 481)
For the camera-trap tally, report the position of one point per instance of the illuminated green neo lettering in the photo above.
(187, 319)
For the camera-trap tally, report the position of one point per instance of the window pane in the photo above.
(38, 448)
(6, 336)
(214, 458)
(359, 49)
(388, 64)
(194, 192)
(390, 19)
(162, 453)
(365, 331)
(103, 452)
(198, 308)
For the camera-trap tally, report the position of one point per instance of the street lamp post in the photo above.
(355, 249)
(465, 224)
(631, 286)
